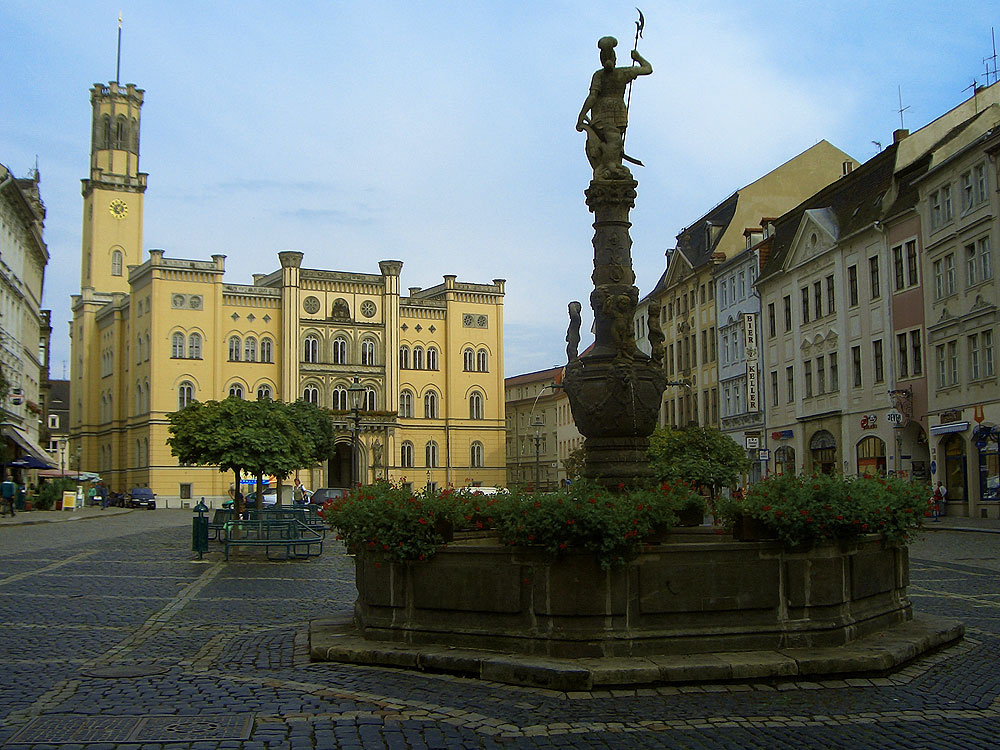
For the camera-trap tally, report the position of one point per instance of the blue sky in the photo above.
(442, 133)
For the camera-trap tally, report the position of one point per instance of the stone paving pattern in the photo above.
(124, 590)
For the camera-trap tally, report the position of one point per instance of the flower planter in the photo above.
(750, 529)
(675, 598)
(690, 516)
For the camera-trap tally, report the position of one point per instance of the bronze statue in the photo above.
(654, 333)
(573, 332)
(608, 115)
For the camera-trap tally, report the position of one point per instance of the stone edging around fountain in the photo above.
(879, 653)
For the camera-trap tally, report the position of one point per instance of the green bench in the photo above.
(288, 534)
(218, 522)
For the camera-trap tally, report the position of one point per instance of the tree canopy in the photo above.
(700, 455)
(258, 437)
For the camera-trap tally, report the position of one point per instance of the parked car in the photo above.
(324, 494)
(140, 497)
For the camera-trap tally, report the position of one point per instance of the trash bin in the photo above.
(199, 529)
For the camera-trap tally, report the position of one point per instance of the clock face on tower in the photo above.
(118, 208)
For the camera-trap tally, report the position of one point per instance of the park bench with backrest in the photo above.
(288, 534)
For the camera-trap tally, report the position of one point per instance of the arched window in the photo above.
(431, 454)
(138, 452)
(432, 358)
(406, 455)
(406, 403)
(194, 346)
(177, 346)
(418, 358)
(134, 130)
(311, 350)
(138, 350)
(431, 405)
(121, 133)
(145, 395)
(236, 391)
(116, 263)
(476, 405)
(340, 351)
(145, 451)
(264, 393)
(468, 360)
(250, 349)
(138, 397)
(234, 348)
(368, 352)
(105, 135)
(404, 358)
(266, 350)
(340, 398)
(368, 404)
(476, 455)
(104, 408)
(146, 348)
(185, 394)
(311, 394)
(483, 360)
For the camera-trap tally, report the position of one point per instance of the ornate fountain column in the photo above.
(614, 389)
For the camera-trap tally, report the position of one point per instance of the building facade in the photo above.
(24, 326)
(151, 335)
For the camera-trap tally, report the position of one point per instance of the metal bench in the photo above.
(288, 534)
(219, 519)
(304, 514)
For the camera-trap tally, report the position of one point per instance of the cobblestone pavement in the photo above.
(111, 620)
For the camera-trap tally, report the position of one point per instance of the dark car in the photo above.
(141, 497)
(323, 495)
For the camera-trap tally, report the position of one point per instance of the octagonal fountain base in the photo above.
(699, 607)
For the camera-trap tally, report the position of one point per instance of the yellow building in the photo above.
(149, 336)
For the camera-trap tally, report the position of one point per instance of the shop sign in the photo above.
(978, 413)
(894, 417)
(783, 435)
(764, 454)
(753, 442)
(869, 422)
(954, 415)
(752, 351)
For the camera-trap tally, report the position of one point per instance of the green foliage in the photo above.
(702, 456)
(260, 437)
(804, 510)
(51, 491)
(315, 425)
(391, 520)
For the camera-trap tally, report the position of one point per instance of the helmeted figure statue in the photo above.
(608, 116)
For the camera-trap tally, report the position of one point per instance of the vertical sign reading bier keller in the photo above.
(750, 346)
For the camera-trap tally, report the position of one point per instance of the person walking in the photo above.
(8, 492)
(940, 498)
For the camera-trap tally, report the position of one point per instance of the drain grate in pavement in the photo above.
(61, 730)
(118, 672)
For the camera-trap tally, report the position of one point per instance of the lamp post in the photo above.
(356, 393)
(538, 423)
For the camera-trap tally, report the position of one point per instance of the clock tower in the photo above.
(113, 194)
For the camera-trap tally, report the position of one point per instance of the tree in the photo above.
(315, 425)
(700, 455)
(258, 437)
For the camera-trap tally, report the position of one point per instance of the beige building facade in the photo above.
(150, 335)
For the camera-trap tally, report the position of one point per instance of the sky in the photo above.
(443, 133)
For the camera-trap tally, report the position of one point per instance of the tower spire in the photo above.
(118, 64)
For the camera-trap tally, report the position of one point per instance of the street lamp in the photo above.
(538, 423)
(356, 393)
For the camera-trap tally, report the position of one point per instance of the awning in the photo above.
(27, 444)
(944, 429)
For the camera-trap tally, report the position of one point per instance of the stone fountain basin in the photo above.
(699, 607)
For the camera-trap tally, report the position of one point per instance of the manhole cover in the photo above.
(61, 730)
(124, 671)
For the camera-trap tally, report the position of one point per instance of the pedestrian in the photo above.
(298, 492)
(8, 491)
(940, 498)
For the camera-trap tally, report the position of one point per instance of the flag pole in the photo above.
(118, 64)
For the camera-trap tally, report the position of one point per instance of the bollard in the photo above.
(199, 529)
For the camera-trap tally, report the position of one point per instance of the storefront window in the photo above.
(986, 441)
(823, 448)
(871, 457)
(784, 460)
(953, 448)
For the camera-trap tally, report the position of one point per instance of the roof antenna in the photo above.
(993, 59)
(902, 109)
(118, 65)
